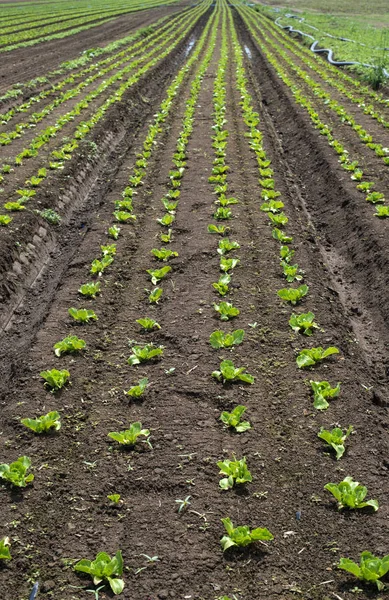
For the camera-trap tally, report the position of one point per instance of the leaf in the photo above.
(4, 549)
(233, 419)
(219, 339)
(348, 565)
(307, 358)
(117, 585)
(70, 344)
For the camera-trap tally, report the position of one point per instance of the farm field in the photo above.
(193, 283)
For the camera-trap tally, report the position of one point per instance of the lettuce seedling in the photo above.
(163, 254)
(137, 390)
(226, 246)
(223, 201)
(227, 264)
(114, 498)
(228, 372)
(242, 536)
(273, 206)
(4, 549)
(382, 211)
(308, 358)
(222, 285)
(148, 324)
(286, 254)
(82, 315)
(157, 274)
(124, 205)
(219, 229)
(226, 310)
(336, 439)
(321, 391)
(365, 186)
(371, 568)
(123, 216)
(280, 236)
(375, 197)
(169, 206)
(268, 194)
(222, 214)
(113, 232)
(90, 290)
(292, 272)
(69, 344)
(5, 220)
(166, 220)
(103, 568)
(219, 339)
(350, 494)
(98, 266)
(278, 220)
(129, 437)
(44, 423)
(166, 238)
(14, 206)
(293, 295)
(144, 353)
(236, 471)
(109, 250)
(155, 295)
(15, 473)
(303, 323)
(233, 419)
(55, 379)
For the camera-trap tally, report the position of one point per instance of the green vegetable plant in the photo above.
(222, 285)
(114, 232)
(219, 339)
(293, 295)
(222, 214)
(291, 272)
(90, 290)
(16, 472)
(4, 549)
(163, 254)
(236, 472)
(114, 498)
(155, 295)
(303, 323)
(286, 254)
(382, 211)
(307, 358)
(335, 439)
(5, 220)
(218, 229)
(350, 494)
(55, 379)
(225, 245)
(144, 353)
(148, 324)
(130, 436)
(371, 568)
(242, 536)
(227, 264)
(321, 391)
(44, 423)
(137, 390)
(233, 419)
(70, 344)
(166, 238)
(166, 220)
(226, 310)
(98, 266)
(82, 315)
(123, 216)
(109, 250)
(229, 373)
(103, 568)
(157, 274)
(280, 236)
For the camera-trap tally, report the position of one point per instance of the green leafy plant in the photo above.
(155, 295)
(123, 216)
(4, 549)
(114, 232)
(103, 568)
(222, 285)
(90, 289)
(229, 373)
(335, 439)
(375, 197)
(157, 274)
(55, 379)
(15, 473)
(69, 344)
(166, 238)
(236, 471)
(148, 324)
(5, 220)
(225, 245)
(166, 220)
(144, 353)
(219, 229)
(98, 266)
(350, 494)
(278, 220)
(273, 206)
(280, 236)
(291, 272)
(242, 536)
(371, 568)
(308, 358)
(382, 211)
(183, 504)
(50, 216)
(82, 315)
(163, 254)
(219, 339)
(109, 250)
(226, 310)
(222, 214)
(114, 498)
(293, 295)
(233, 419)
(286, 254)
(137, 390)
(14, 206)
(303, 323)
(129, 436)
(44, 423)
(321, 391)
(227, 264)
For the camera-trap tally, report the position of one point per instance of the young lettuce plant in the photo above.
(242, 536)
(114, 232)
(371, 568)
(233, 419)
(382, 211)
(129, 436)
(155, 295)
(303, 323)
(236, 471)
(321, 391)
(228, 373)
(109, 250)
(16, 472)
(90, 290)
(286, 254)
(98, 266)
(55, 379)
(163, 254)
(227, 264)
(144, 353)
(222, 214)
(280, 236)
(123, 216)
(350, 494)
(166, 238)
(5, 220)
(148, 324)
(225, 246)
(82, 315)
(291, 272)
(308, 358)
(138, 390)
(293, 295)
(103, 568)
(222, 285)
(273, 206)
(70, 344)
(157, 274)
(166, 220)
(44, 423)
(4, 549)
(335, 439)
(218, 229)
(226, 310)
(219, 339)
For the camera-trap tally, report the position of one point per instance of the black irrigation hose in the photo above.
(329, 53)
